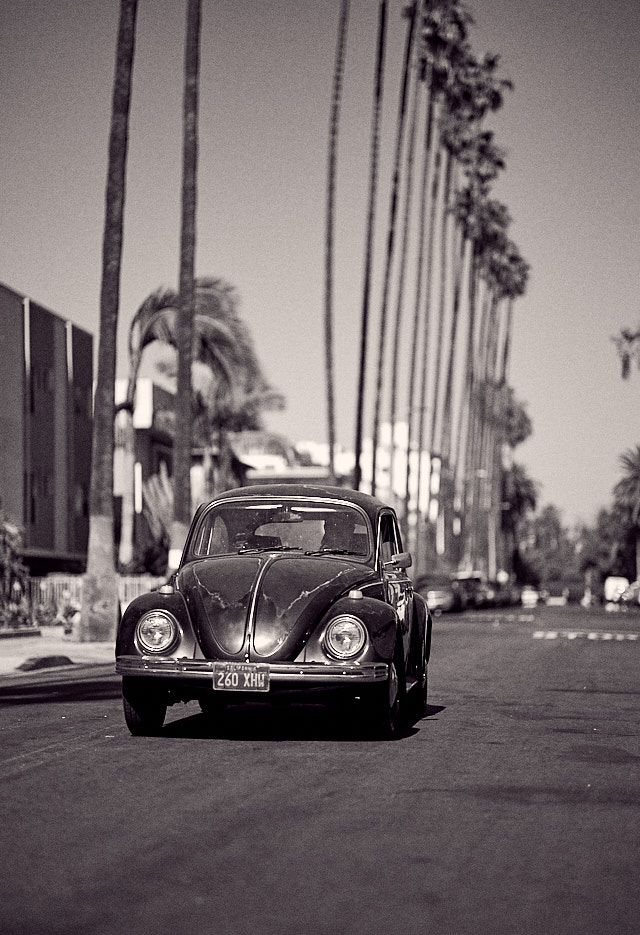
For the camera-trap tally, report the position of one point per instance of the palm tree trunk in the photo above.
(393, 210)
(465, 462)
(425, 399)
(435, 413)
(127, 435)
(421, 270)
(506, 347)
(447, 410)
(331, 184)
(395, 359)
(100, 609)
(373, 188)
(183, 433)
(441, 304)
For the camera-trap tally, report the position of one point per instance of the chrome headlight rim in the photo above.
(333, 650)
(173, 632)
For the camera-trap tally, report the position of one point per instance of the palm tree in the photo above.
(422, 274)
(490, 220)
(410, 12)
(626, 493)
(100, 607)
(472, 90)
(183, 439)
(228, 388)
(627, 344)
(445, 26)
(519, 497)
(443, 33)
(370, 230)
(150, 323)
(428, 205)
(404, 250)
(503, 284)
(331, 184)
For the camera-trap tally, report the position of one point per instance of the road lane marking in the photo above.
(584, 634)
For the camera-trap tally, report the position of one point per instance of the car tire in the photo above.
(418, 694)
(144, 709)
(387, 706)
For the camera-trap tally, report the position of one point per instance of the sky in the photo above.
(570, 127)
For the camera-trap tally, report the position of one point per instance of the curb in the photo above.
(13, 632)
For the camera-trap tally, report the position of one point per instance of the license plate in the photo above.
(241, 677)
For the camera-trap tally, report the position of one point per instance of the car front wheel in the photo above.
(144, 708)
(385, 715)
(418, 694)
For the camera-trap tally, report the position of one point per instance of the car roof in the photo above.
(371, 505)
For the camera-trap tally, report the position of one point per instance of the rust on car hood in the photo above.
(263, 606)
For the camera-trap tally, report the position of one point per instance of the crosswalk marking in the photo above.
(584, 634)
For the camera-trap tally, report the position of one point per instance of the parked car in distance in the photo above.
(283, 591)
(630, 597)
(614, 588)
(442, 593)
(505, 594)
(476, 590)
(529, 596)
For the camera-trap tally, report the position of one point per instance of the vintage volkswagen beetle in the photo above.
(281, 590)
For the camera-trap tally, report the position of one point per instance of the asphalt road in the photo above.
(512, 808)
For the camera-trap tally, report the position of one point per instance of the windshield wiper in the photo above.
(327, 551)
(270, 548)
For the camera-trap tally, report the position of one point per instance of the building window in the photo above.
(32, 497)
(82, 401)
(80, 501)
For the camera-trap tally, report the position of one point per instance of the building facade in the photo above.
(45, 431)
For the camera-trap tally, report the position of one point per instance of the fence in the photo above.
(59, 591)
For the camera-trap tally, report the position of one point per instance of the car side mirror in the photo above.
(401, 560)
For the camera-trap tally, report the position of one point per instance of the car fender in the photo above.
(156, 600)
(379, 618)
(423, 620)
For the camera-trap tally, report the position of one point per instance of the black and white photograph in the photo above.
(320, 467)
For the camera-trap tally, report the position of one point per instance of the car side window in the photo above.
(389, 545)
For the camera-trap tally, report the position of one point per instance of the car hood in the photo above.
(263, 605)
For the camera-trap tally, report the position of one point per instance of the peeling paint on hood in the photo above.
(263, 606)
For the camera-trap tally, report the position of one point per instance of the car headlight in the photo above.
(157, 631)
(345, 637)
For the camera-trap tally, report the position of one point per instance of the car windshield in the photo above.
(310, 528)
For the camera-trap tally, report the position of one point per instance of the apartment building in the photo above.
(45, 431)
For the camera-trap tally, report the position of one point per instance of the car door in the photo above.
(398, 586)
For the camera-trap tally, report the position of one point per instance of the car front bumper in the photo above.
(201, 670)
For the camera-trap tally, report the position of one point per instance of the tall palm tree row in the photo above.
(473, 91)
(458, 338)
(489, 221)
(100, 606)
(505, 278)
(410, 13)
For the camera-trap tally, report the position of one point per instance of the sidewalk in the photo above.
(49, 648)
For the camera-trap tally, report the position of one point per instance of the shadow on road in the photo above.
(89, 683)
(282, 723)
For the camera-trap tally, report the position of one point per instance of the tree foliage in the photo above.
(627, 343)
(13, 575)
